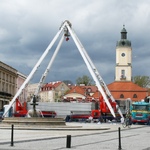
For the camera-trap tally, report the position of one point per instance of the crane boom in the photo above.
(48, 68)
(101, 81)
(33, 70)
(67, 28)
(88, 63)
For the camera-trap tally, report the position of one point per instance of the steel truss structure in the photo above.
(66, 31)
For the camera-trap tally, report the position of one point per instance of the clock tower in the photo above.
(123, 58)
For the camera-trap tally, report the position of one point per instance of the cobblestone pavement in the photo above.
(83, 136)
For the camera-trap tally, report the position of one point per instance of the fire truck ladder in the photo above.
(66, 28)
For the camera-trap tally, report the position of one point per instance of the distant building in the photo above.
(122, 90)
(53, 91)
(10, 81)
(8, 77)
(123, 87)
(82, 93)
(31, 88)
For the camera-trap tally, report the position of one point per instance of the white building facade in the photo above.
(8, 77)
(123, 70)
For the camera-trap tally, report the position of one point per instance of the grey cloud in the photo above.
(29, 26)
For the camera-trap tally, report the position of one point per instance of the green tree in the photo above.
(84, 80)
(142, 81)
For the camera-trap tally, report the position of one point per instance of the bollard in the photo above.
(12, 135)
(68, 142)
(119, 147)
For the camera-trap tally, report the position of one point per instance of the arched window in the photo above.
(134, 96)
(121, 96)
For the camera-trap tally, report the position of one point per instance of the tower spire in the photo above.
(123, 41)
(123, 33)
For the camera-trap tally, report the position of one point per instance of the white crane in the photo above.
(66, 29)
(48, 68)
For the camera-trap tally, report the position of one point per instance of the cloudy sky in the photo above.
(28, 26)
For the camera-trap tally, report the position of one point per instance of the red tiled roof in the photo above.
(83, 91)
(52, 84)
(77, 89)
(92, 87)
(128, 90)
(125, 86)
(56, 84)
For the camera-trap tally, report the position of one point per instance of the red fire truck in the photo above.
(101, 111)
(21, 111)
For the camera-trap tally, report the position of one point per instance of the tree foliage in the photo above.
(142, 81)
(68, 82)
(84, 80)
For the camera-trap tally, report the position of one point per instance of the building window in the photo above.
(122, 73)
(3, 76)
(121, 96)
(134, 96)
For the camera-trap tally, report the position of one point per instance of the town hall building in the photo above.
(123, 87)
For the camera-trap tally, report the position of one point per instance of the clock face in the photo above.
(123, 54)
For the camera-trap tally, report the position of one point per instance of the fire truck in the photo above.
(67, 31)
(101, 112)
(20, 110)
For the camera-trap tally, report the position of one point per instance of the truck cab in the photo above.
(141, 112)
